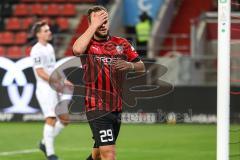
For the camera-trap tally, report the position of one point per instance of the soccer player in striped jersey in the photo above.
(105, 59)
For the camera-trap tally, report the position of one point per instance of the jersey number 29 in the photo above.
(106, 133)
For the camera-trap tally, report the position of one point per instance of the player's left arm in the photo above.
(133, 61)
(123, 65)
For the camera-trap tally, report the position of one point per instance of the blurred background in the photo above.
(178, 34)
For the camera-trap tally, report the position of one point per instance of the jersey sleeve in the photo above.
(131, 53)
(37, 58)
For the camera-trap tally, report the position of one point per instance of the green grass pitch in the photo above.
(136, 142)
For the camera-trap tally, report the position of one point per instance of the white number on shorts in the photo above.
(104, 134)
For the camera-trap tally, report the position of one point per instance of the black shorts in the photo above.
(104, 128)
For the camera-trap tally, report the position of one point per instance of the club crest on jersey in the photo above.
(119, 49)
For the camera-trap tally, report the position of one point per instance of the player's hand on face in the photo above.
(122, 65)
(98, 18)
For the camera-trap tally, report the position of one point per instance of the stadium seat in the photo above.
(53, 10)
(13, 24)
(27, 22)
(211, 31)
(27, 50)
(59, 1)
(69, 10)
(83, 25)
(20, 38)
(21, 10)
(235, 32)
(37, 9)
(63, 23)
(43, 1)
(14, 52)
(2, 51)
(34, 1)
(83, 1)
(1, 37)
(7, 38)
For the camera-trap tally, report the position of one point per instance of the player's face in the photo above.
(45, 34)
(103, 30)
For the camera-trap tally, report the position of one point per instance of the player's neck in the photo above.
(42, 42)
(95, 37)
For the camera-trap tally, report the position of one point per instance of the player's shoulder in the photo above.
(36, 45)
(35, 48)
(50, 45)
(117, 39)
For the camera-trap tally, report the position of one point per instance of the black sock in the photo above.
(90, 157)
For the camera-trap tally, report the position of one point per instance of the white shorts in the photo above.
(48, 99)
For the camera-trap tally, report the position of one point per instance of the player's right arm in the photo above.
(81, 44)
(42, 74)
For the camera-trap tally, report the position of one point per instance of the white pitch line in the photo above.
(26, 151)
(29, 151)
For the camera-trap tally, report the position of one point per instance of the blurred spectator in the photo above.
(55, 29)
(143, 29)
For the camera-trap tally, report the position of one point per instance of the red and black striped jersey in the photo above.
(103, 83)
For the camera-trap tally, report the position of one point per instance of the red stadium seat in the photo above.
(37, 9)
(21, 10)
(63, 23)
(27, 50)
(21, 38)
(27, 22)
(2, 51)
(83, 25)
(53, 10)
(7, 38)
(59, 1)
(1, 37)
(14, 52)
(13, 24)
(83, 1)
(69, 10)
